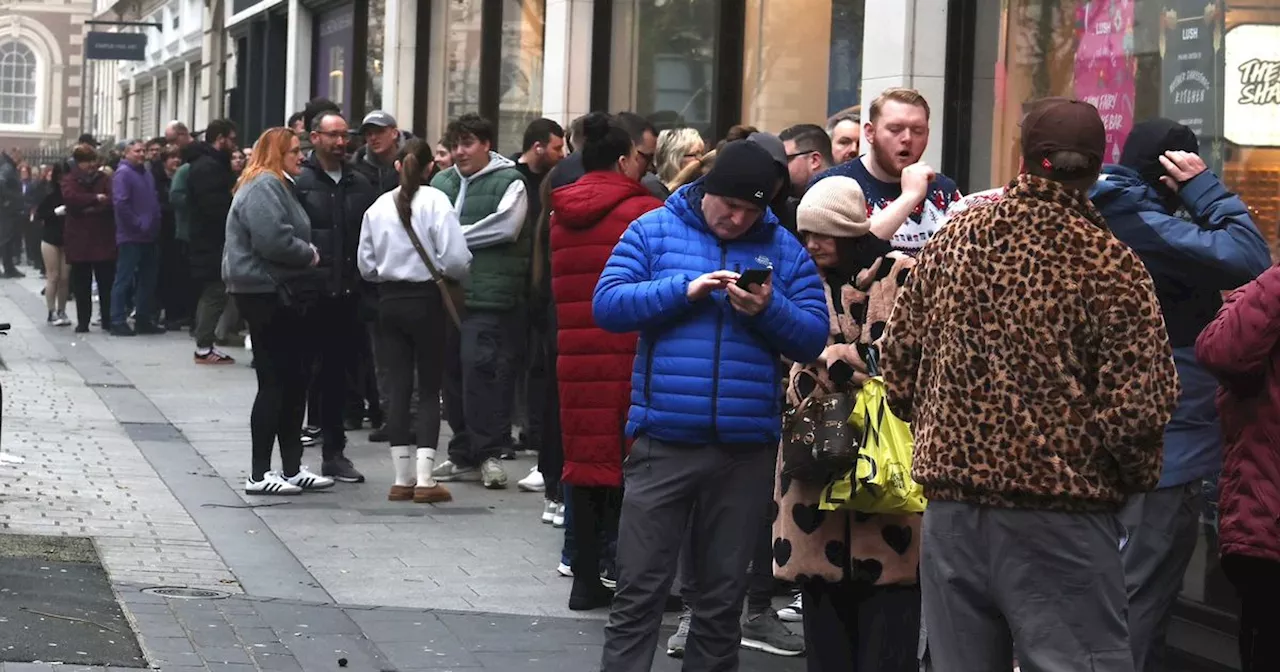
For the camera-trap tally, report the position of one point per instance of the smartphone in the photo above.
(754, 276)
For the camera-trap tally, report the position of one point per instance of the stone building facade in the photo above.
(41, 72)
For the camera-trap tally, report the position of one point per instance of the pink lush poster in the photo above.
(1105, 66)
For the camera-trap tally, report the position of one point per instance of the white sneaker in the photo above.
(794, 612)
(565, 570)
(448, 472)
(308, 480)
(61, 320)
(533, 482)
(492, 475)
(272, 483)
(558, 519)
(549, 511)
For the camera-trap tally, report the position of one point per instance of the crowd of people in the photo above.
(646, 306)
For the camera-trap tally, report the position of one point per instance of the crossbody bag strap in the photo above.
(435, 273)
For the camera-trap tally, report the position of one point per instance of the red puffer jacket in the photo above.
(594, 367)
(1240, 348)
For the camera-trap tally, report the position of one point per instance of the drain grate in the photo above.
(177, 593)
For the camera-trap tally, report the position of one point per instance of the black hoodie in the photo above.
(209, 183)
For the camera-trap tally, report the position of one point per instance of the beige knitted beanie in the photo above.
(833, 206)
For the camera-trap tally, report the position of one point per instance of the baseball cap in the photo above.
(743, 170)
(1062, 124)
(377, 118)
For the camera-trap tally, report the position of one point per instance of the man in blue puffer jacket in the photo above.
(1197, 240)
(705, 410)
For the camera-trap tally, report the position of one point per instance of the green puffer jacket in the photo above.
(499, 266)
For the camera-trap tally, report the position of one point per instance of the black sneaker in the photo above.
(353, 424)
(151, 329)
(341, 469)
(379, 435)
(122, 330)
(14, 273)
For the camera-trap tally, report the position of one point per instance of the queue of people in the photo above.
(647, 308)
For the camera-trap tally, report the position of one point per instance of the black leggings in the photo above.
(1258, 583)
(83, 274)
(413, 322)
(282, 353)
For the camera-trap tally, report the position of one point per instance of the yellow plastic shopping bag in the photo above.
(880, 482)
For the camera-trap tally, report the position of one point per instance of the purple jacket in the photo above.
(137, 205)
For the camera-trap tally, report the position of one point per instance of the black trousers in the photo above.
(31, 241)
(413, 321)
(1258, 583)
(859, 628)
(544, 432)
(596, 512)
(174, 291)
(282, 347)
(338, 334)
(83, 273)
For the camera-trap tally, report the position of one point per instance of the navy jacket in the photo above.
(1192, 260)
(703, 372)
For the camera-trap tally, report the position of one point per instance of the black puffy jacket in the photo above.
(209, 184)
(336, 212)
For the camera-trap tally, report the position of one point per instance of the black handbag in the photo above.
(301, 293)
(817, 442)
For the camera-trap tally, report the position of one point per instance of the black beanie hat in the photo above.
(1149, 140)
(743, 170)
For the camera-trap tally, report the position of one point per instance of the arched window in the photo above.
(17, 84)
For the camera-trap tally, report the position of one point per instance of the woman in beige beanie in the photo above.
(859, 598)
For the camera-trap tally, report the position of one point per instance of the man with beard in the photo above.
(907, 201)
(207, 199)
(335, 197)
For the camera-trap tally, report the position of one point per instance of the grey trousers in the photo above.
(210, 310)
(1162, 539)
(718, 493)
(1048, 585)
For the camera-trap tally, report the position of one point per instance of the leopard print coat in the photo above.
(1029, 353)
(815, 545)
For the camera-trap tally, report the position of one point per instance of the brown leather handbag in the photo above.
(817, 442)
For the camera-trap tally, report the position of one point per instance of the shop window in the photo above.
(663, 61)
(1210, 64)
(462, 67)
(520, 97)
(803, 61)
(334, 54)
(377, 12)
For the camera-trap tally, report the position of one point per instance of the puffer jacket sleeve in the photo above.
(627, 297)
(1222, 248)
(796, 322)
(1237, 346)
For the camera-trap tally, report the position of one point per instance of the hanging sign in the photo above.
(1251, 111)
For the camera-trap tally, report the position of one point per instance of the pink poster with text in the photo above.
(1104, 73)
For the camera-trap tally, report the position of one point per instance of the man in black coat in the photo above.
(335, 198)
(209, 184)
(13, 212)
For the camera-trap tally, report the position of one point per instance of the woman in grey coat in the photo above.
(268, 265)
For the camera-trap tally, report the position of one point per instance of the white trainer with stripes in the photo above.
(272, 483)
(309, 480)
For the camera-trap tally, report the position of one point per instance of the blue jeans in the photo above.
(136, 268)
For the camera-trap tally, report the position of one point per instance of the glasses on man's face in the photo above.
(333, 135)
(793, 156)
(648, 159)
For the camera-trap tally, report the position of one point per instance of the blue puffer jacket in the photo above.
(705, 373)
(1192, 261)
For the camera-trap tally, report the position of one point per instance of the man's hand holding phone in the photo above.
(751, 294)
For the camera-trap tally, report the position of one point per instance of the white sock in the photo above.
(400, 460)
(426, 462)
